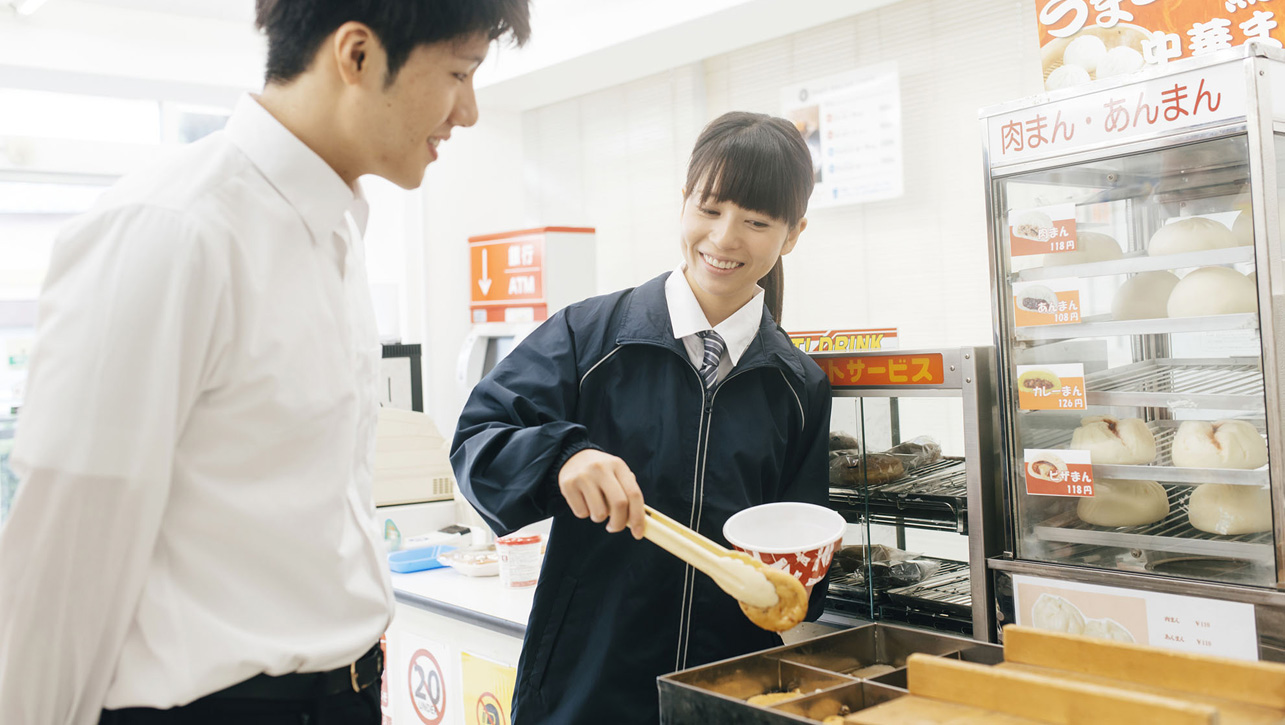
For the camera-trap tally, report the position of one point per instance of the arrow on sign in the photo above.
(485, 282)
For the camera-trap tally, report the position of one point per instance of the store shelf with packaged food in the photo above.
(908, 458)
(1138, 331)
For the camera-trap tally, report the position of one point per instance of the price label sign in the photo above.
(1041, 230)
(1058, 472)
(1050, 387)
(1038, 304)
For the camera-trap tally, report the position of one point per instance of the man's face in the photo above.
(400, 126)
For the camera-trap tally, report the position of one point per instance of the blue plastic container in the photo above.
(423, 559)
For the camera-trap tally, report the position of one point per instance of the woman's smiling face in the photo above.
(728, 249)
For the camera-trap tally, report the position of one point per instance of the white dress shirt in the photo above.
(688, 319)
(196, 441)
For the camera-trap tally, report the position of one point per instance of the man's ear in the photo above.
(792, 237)
(355, 50)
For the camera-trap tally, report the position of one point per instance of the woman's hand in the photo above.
(600, 486)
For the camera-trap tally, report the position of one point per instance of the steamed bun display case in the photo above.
(1137, 276)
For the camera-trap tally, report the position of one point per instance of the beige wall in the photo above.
(615, 160)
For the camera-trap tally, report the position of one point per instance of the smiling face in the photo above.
(398, 126)
(728, 249)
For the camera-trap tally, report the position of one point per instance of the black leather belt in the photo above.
(355, 677)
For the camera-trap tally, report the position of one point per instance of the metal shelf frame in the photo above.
(1162, 468)
(1137, 262)
(963, 496)
(1221, 384)
(1137, 181)
(1106, 326)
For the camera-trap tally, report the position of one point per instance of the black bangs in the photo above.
(755, 161)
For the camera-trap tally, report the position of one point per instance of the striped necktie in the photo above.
(713, 354)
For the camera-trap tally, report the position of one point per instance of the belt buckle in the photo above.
(352, 677)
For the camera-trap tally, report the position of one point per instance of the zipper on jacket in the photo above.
(698, 500)
(698, 490)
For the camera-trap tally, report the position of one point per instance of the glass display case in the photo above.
(913, 470)
(1136, 261)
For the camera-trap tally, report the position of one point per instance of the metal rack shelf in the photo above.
(942, 601)
(932, 497)
(949, 591)
(1161, 469)
(1226, 384)
(1138, 262)
(1106, 326)
(1173, 534)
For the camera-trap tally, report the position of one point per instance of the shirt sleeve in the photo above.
(810, 483)
(126, 334)
(517, 429)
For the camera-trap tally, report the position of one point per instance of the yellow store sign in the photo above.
(488, 690)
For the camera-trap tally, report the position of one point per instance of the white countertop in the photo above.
(483, 595)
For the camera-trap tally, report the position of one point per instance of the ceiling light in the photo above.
(26, 7)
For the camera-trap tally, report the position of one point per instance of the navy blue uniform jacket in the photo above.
(613, 613)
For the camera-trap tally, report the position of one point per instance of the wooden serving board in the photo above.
(911, 710)
(1230, 712)
(1046, 699)
(1251, 683)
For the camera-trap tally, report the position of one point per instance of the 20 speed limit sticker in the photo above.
(427, 687)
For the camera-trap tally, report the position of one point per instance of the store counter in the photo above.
(478, 601)
(453, 647)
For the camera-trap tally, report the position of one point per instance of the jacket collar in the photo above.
(646, 320)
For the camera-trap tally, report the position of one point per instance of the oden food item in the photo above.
(771, 698)
(791, 606)
(1145, 296)
(1221, 508)
(1123, 503)
(1114, 441)
(1222, 444)
(1193, 234)
(1056, 614)
(1038, 380)
(1089, 247)
(1213, 291)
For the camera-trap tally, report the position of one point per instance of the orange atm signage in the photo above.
(507, 271)
(879, 371)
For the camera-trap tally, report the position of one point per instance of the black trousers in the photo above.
(345, 708)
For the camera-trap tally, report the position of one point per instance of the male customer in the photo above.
(194, 539)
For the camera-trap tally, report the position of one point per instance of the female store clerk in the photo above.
(682, 392)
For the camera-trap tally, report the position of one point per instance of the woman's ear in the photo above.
(792, 237)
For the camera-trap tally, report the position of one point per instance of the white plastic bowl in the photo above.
(787, 527)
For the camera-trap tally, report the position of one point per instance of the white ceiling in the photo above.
(233, 10)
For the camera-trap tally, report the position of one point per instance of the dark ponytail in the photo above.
(773, 284)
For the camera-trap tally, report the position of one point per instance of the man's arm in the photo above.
(128, 320)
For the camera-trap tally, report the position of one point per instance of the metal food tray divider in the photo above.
(821, 668)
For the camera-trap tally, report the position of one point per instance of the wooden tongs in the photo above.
(742, 579)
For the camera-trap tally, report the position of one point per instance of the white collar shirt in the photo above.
(688, 320)
(196, 443)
